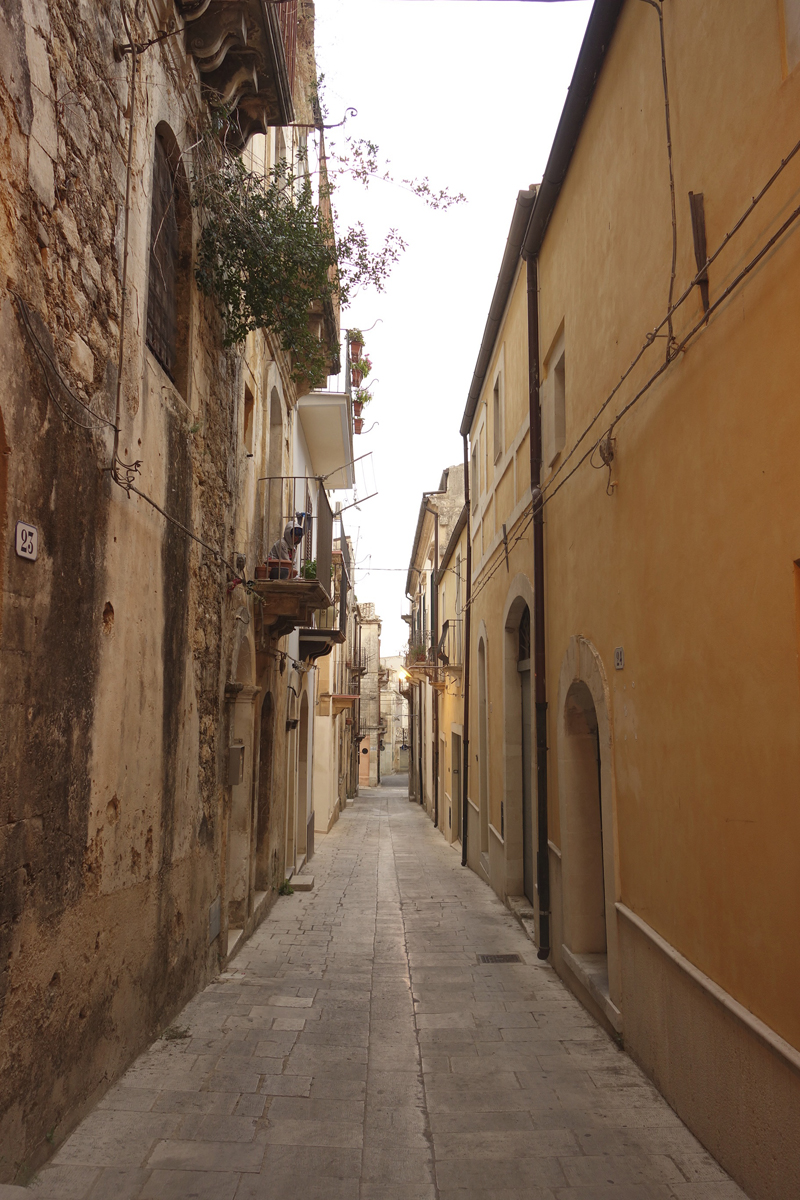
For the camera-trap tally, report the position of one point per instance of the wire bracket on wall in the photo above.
(120, 49)
(607, 449)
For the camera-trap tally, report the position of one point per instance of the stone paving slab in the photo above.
(357, 1050)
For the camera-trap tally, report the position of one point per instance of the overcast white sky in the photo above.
(469, 93)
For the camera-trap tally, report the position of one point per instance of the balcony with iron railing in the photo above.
(359, 662)
(419, 648)
(423, 661)
(295, 580)
(450, 648)
(328, 626)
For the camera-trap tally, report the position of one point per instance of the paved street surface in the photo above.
(357, 1050)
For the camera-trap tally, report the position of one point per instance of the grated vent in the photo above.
(499, 958)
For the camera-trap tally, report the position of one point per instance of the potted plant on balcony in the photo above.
(355, 340)
(361, 398)
(417, 652)
(309, 570)
(359, 370)
(358, 424)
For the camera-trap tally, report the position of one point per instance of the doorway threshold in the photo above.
(234, 937)
(522, 909)
(591, 970)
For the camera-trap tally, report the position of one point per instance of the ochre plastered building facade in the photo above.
(669, 583)
(440, 512)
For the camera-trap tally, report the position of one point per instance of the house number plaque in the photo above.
(27, 543)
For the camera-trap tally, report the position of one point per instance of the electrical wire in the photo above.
(553, 485)
(544, 498)
(43, 356)
(659, 7)
(653, 334)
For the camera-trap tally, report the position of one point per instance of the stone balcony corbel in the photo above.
(212, 35)
(239, 50)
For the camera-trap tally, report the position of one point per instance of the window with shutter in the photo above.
(162, 307)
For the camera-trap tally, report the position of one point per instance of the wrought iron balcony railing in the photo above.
(294, 580)
(450, 648)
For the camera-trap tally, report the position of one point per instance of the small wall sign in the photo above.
(27, 541)
(619, 658)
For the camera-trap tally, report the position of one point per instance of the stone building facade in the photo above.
(370, 728)
(439, 514)
(145, 689)
(394, 716)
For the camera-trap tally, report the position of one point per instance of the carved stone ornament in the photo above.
(239, 49)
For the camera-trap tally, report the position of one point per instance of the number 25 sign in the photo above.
(27, 544)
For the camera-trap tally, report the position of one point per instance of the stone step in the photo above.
(303, 883)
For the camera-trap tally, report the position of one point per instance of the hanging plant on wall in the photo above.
(267, 253)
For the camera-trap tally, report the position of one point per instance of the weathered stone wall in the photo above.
(116, 644)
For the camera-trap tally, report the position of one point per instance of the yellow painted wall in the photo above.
(504, 501)
(451, 700)
(689, 564)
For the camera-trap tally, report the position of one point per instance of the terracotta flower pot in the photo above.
(261, 571)
(359, 424)
(355, 350)
(355, 377)
(358, 407)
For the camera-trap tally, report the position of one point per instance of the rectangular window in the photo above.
(497, 417)
(553, 396)
(475, 481)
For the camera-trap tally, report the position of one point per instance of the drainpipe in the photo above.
(539, 660)
(435, 636)
(467, 614)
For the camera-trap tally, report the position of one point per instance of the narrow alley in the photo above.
(357, 1047)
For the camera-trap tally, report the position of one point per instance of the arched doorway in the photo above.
(483, 754)
(519, 825)
(524, 675)
(588, 877)
(240, 818)
(264, 803)
(580, 765)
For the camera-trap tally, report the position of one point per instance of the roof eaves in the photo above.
(508, 269)
(413, 567)
(597, 39)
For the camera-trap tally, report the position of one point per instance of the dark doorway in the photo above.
(455, 751)
(266, 744)
(581, 768)
(524, 670)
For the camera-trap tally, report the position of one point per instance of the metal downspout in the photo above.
(539, 658)
(467, 614)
